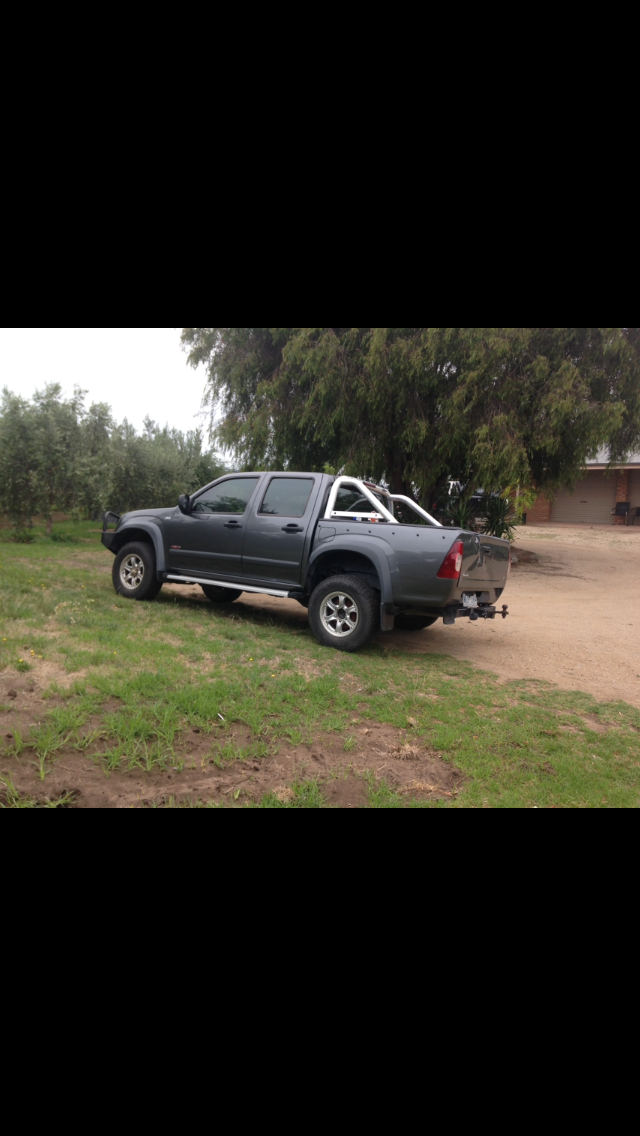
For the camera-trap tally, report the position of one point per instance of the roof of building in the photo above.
(602, 461)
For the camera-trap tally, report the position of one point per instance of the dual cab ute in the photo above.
(360, 558)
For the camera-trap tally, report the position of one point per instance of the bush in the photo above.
(65, 538)
(499, 518)
(21, 536)
(461, 513)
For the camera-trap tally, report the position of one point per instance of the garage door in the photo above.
(634, 489)
(590, 504)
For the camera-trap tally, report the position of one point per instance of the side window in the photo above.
(229, 497)
(286, 497)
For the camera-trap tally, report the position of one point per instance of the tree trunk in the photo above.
(401, 487)
(395, 466)
(49, 516)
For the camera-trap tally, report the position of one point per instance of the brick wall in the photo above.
(540, 512)
(622, 492)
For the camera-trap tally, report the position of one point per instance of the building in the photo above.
(594, 499)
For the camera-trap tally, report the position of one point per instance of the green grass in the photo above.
(65, 532)
(304, 795)
(11, 799)
(132, 678)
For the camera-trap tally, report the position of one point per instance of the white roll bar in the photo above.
(417, 509)
(379, 511)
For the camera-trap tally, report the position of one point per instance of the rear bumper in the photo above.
(449, 613)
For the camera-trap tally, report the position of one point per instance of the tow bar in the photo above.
(487, 613)
(473, 613)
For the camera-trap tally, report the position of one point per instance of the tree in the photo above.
(56, 455)
(414, 406)
(58, 443)
(93, 470)
(18, 459)
(247, 385)
(152, 470)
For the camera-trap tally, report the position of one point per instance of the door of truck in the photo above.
(208, 542)
(279, 528)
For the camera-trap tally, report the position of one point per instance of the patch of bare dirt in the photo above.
(351, 684)
(523, 556)
(346, 792)
(572, 619)
(26, 707)
(44, 672)
(542, 563)
(87, 560)
(309, 669)
(380, 750)
(594, 724)
(188, 593)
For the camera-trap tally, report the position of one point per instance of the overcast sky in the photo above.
(137, 370)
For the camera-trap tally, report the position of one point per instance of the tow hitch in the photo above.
(483, 611)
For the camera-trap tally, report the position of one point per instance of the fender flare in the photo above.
(156, 537)
(379, 552)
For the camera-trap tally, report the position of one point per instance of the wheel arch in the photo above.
(145, 533)
(342, 560)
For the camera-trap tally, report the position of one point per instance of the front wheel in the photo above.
(344, 613)
(414, 622)
(220, 595)
(134, 572)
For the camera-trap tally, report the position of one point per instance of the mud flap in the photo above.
(387, 617)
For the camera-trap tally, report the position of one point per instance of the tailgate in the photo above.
(485, 563)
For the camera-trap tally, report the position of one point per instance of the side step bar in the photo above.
(233, 587)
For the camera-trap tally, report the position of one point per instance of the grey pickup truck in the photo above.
(359, 558)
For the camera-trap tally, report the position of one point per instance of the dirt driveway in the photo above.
(575, 616)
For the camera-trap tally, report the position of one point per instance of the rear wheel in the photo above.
(220, 595)
(414, 622)
(134, 572)
(344, 613)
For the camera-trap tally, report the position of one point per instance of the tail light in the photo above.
(452, 566)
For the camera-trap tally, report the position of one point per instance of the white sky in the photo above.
(137, 370)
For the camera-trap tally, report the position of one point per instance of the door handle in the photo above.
(488, 548)
(233, 525)
(293, 529)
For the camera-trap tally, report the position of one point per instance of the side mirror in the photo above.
(183, 504)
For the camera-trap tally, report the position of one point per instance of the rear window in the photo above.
(286, 497)
(408, 516)
(350, 500)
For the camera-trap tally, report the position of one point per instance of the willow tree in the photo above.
(416, 405)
